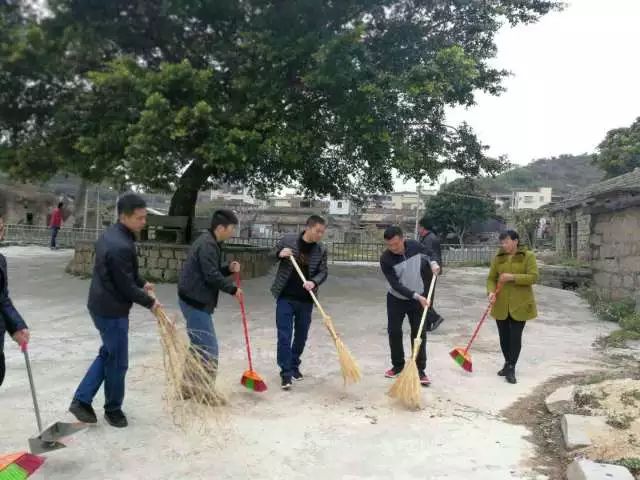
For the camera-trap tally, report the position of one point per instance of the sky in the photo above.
(575, 76)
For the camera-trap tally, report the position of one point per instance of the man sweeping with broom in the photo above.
(203, 276)
(401, 264)
(115, 287)
(293, 301)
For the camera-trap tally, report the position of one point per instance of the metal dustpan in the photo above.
(50, 438)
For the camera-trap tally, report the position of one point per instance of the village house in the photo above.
(601, 225)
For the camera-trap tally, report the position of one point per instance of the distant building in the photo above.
(340, 207)
(525, 200)
(232, 194)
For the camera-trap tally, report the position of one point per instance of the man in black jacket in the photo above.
(115, 287)
(293, 301)
(10, 319)
(430, 240)
(202, 277)
(402, 265)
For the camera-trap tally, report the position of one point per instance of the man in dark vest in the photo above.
(115, 287)
(431, 242)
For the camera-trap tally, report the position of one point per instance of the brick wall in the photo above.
(163, 263)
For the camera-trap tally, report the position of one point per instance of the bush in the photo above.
(615, 311)
(631, 322)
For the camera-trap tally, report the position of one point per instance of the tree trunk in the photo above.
(183, 202)
(78, 204)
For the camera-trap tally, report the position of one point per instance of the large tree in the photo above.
(619, 152)
(329, 97)
(457, 206)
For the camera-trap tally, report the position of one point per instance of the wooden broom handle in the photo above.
(313, 295)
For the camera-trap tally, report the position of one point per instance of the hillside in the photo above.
(564, 174)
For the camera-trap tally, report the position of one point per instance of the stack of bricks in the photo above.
(163, 263)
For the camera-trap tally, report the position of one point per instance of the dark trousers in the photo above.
(293, 319)
(110, 366)
(54, 236)
(2, 367)
(397, 309)
(510, 332)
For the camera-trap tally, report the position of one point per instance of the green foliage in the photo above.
(331, 97)
(619, 152)
(564, 174)
(633, 464)
(457, 205)
(565, 261)
(527, 222)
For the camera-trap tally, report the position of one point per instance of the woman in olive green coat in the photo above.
(515, 270)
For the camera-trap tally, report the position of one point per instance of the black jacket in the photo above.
(10, 319)
(318, 270)
(203, 274)
(432, 244)
(116, 284)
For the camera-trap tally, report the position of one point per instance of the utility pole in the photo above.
(417, 211)
(86, 206)
(98, 216)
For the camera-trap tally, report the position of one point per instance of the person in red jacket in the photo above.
(56, 224)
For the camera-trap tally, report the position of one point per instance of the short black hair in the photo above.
(60, 205)
(392, 231)
(223, 218)
(512, 234)
(314, 220)
(129, 203)
(425, 223)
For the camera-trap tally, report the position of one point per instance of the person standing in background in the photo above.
(56, 224)
(431, 242)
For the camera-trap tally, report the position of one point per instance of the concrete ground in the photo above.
(317, 430)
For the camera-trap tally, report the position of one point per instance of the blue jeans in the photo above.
(54, 236)
(201, 331)
(110, 366)
(293, 320)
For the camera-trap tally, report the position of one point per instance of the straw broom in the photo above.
(188, 375)
(348, 365)
(407, 387)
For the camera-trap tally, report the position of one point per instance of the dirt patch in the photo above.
(551, 457)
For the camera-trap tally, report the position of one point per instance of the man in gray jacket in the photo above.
(293, 301)
(203, 275)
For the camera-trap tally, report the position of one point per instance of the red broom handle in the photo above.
(484, 317)
(244, 323)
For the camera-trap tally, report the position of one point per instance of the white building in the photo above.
(233, 193)
(340, 207)
(531, 200)
(524, 200)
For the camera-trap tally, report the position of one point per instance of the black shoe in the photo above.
(503, 371)
(510, 374)
(286, 383)
(83, 412)
(116, 418)
(297, 376)
(436, 324)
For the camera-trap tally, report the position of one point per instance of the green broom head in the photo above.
(461, 358)
(253, 381)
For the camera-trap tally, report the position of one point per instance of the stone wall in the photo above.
(162, 263)
(615, 252)
(577, 218)
(568, 278)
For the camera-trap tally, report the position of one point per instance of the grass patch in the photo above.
(620, 311)
(618, 339)
(565, 261)
(586, 400)
(629, 398)
(632, 464)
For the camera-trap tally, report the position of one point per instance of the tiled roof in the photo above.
(629, 182)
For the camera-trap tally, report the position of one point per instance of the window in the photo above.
(340, 205)
(541, 198)
(528, 199)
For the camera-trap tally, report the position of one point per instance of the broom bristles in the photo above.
(407, 386)
(189, 376)
(348, 366)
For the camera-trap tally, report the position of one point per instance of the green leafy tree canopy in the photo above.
(619, 152)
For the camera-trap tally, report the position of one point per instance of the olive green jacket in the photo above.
(515, 298)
